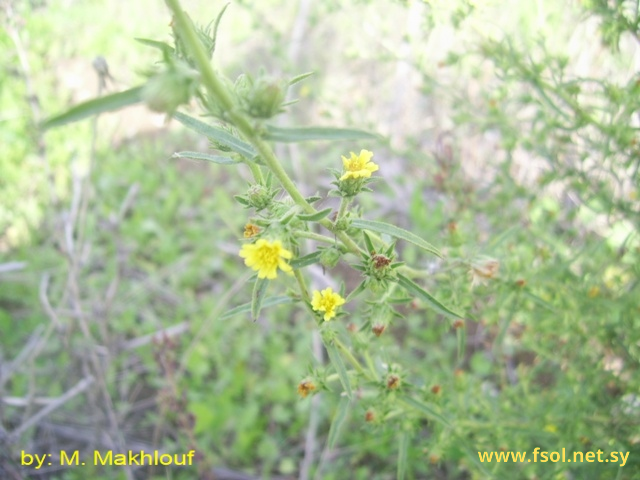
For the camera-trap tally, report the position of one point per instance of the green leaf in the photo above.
(299, 78)
(246, 308)
(259, 291)
(338, 364)
(219, 159)
(414, 289)
(357, 291)
(338, 421)
(397, 232)
(292, 135)
(305, 261)
(214, 36)
(314, 217)
(164, 47)
(368, 243)
(403, 450)
(428, 410)
(108, 103)
(216, 134)
(462, 343)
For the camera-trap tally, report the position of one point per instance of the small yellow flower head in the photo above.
(265, 257)
(358, 166)
(305, 387)
(326, 301)
(251, 230)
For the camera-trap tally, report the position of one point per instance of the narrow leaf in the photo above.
(216, 134)
(338, 421)
(462, 343)
(259, 291)
(214, 36)
(338, 364)
(292, 135)
(403, 450)
(368, 243)
(314, 217)
(246, 308)
(165, 47)
(414, 289)
(397, 232)
(357, 291)
(108, 103)
(305, 261)
(219, 159)
(299, 78)
(428, 410)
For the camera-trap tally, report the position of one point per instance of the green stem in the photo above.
(372, 368)
(302, 284)
(315, 236)
(344, 203)
(349, 356)
(218, 92)
(257, 173)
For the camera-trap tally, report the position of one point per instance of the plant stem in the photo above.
(302, 284)
(349, 356)
(315, 236)
(344, 203)
(257, 173)
(218, 92)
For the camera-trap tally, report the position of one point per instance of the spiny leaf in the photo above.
(314, 217)
(397, 232)
(259, 291)
(336, 360)
(305, 261)
(338, 421)
(108, 103)
(219, 159)
(292, 135)
(414, 289)
(428, 410)
(216, 134)
(246, 308)
(299, 78)
(403, 450)
(164, 47)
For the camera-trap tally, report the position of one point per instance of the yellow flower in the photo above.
(266, 257)
(327, 302)
(358, 166)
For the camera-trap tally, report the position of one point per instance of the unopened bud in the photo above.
(169, 89)
(330, 257)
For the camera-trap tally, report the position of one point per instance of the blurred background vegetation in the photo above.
(511, 131)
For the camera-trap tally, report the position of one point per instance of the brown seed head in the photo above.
(393, 382)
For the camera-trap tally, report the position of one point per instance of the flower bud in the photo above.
(330, 257)
(266, 97)
(169, 89)
(259, 196)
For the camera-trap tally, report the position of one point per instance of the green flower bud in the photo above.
(169, 89)
(330, 257)
(266, 97)
(259, 196)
